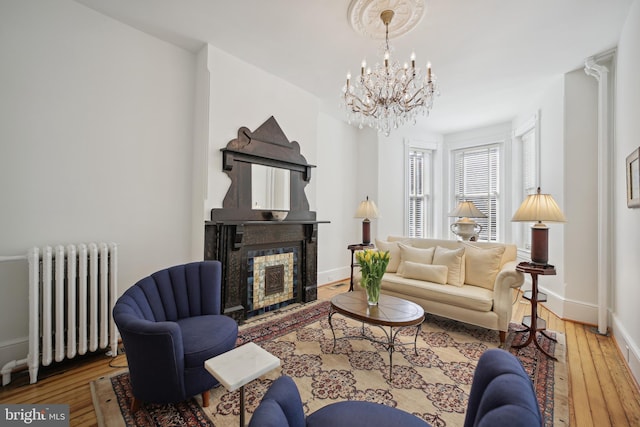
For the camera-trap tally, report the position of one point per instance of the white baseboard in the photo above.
(555, 303)
(14, 349)
(580, 311)
(335, 275)
(628, 348)
(577, 311)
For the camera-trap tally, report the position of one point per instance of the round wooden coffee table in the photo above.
(390, 311)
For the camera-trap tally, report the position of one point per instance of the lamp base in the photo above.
(366, 231)
(539, 244)
(466, 229)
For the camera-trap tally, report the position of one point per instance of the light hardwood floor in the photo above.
(602, 391)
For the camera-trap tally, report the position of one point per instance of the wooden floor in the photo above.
(602, 392)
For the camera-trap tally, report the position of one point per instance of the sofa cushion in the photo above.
(510, 251)
(427, 272)
(409, 253)
(455, 262)
(482, 265)
(421, 242)
(466, 296)
(394, 254)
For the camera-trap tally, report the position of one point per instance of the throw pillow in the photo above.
(454, 260)
(426, 272)
(409, 253)
(394, 254)
(482, 265)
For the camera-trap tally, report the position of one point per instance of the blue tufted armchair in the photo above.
(170, 323)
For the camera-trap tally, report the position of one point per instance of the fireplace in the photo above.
(266, 264)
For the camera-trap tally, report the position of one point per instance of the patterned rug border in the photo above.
(281, 322)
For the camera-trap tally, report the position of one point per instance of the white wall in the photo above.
(95, 143)
(367, 183)
(581, 196)
(391, 178)
(200, 157)
(337, 197)
(626, 316)
(552, 181)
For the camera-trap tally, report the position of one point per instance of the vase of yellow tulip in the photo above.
(373, 264)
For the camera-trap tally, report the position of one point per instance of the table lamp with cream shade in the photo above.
(466, 228)
(368, 210)
(537, 208)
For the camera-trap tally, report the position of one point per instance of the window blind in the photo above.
(419, 163)
(476, 179)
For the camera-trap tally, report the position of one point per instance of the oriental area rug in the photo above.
(433, 385)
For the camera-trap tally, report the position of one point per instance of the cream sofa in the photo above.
(470, 282)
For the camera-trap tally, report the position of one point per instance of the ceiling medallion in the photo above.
(364, 17)
(387, 95)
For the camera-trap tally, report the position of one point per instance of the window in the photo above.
(418, 191)
(476, 179)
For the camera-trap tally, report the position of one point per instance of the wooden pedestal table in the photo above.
(240, 366)
(533, 323)
(390, 311)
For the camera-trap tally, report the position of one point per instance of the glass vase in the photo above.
(373, 291)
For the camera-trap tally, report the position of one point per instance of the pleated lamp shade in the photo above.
(368, 210)
(539, 207)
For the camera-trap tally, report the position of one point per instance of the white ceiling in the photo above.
(492, 57)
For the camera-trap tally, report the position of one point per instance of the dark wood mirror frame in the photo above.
(269, 146)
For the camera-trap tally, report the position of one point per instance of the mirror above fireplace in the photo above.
(252, 157)
(270, 188)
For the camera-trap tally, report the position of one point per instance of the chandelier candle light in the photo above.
(389, 95)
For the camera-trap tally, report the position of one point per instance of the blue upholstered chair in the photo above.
(170, 323)
(501, 395)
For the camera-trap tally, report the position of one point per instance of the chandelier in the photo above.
(389, 95)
